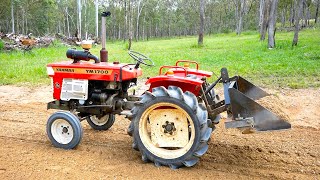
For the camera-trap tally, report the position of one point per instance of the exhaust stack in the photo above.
(103, 51)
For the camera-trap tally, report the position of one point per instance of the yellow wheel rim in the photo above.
(145, 131)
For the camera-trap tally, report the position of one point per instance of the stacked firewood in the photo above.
(24, 42)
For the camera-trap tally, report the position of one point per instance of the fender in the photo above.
(185, 83)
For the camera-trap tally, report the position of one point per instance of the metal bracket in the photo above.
(240, 122)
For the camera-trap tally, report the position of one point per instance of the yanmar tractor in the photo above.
(171, 122)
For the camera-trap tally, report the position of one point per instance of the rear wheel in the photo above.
(101, 123)
(170, 128)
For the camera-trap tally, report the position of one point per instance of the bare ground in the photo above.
(26, 153)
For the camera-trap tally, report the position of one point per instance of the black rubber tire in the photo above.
(73, 121)
(186, 101)
(102, 127)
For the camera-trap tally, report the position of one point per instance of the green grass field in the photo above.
(245, 55)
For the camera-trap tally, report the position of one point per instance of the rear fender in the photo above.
(185, 83)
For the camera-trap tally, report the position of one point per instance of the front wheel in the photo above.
(64, 130)
(101, 123)
(170, 128)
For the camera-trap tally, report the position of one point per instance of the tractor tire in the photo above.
(64, 130)
(103, 123)
(178, 118)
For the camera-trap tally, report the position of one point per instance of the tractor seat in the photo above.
(192, 76)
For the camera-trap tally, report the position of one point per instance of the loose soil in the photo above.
(275, 105)
(26, 153)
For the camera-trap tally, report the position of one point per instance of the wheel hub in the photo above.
(169, 127)
(64, 129)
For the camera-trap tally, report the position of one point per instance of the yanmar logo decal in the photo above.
(83, 71)
(64, 70)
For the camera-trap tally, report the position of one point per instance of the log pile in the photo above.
(27, 42)
(24, 42)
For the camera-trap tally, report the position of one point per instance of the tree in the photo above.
(97, 17)
(299, 8)
(272, 23)
(261, 10)
(139, 10)
(317, 12)
(130, 33)
(12, 16)
(125, 21)
(201, 27)
(265, 13)
(79, 19)
(240, 6)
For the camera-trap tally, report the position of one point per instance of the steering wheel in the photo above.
(140, 58)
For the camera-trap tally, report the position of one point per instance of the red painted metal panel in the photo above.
(185, 83)
(92, 71)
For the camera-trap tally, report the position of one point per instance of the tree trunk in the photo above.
(79, 18)
(261, 12)
(119, 31)
(201, 28)
(138, 19)
(283, 17)
(272, 24)
(12, 16)
(317, 12)
(292, 12)
(85, 21)
(307, 15)
(27, 25)
(236, 14)
(130, 25)
(126, 21)
(17, 21)
(263, 28)
(23, 16)
(143, 26)
(303, 15)
(97, 17)
(298, 7)
(68, 26)
(240, 12)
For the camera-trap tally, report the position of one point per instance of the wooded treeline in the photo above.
(144, 19)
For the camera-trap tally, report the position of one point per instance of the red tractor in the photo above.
(171, 123)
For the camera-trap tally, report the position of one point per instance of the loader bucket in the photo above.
(247, 113)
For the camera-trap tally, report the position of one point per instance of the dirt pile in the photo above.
(275, 105)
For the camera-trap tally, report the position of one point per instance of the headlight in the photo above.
(50, 71)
